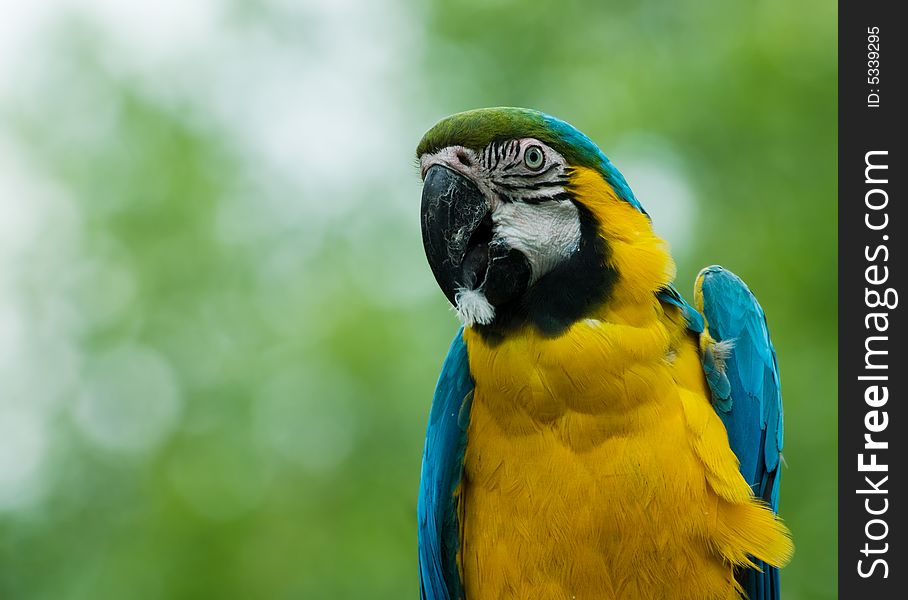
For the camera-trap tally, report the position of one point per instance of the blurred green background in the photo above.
(218, 333)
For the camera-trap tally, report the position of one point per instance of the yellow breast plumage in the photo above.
(605, 476)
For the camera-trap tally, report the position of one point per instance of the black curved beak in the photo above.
(456, 230)
(457, 234)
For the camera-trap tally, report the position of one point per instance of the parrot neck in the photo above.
(618, 268)
(569, 292)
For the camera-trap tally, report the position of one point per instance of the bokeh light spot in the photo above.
(130, 400)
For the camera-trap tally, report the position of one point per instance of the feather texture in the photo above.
(595, 465)
(746, 391)
(442, 465)
(632, 454)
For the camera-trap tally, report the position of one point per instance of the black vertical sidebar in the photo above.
(873, 437)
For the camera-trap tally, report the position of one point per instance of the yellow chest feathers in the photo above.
(586, 471)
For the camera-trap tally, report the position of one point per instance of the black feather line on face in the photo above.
(562, 197)
(536, 175)
(540, 185)
(565, 295)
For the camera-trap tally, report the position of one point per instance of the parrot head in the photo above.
(526, 222)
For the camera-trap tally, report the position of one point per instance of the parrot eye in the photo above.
(534, 157)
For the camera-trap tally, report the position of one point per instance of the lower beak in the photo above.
(456, 230)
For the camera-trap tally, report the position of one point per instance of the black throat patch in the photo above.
(560, 298)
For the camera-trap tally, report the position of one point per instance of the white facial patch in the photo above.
(546, 233)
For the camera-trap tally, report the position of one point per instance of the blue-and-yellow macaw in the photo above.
(592, 435)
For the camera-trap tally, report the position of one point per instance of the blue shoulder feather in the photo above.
(442, 468)
(747, 396)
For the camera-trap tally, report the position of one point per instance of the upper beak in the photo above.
(453, 209)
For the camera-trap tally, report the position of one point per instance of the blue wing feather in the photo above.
(749, 400)
(442, 468)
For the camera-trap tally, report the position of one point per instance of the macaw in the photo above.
(592, 435)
